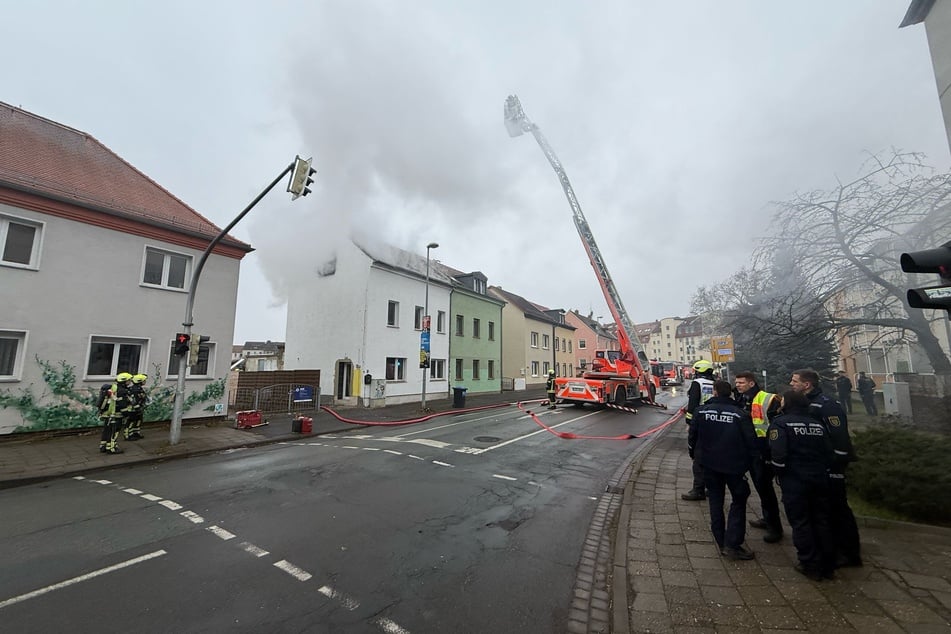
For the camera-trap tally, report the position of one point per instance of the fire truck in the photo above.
(668, 372)
(615, 377)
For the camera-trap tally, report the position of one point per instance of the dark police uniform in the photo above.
(762, 470)
(700, 390)
(801, 453)
(846, 531)
(722, 439)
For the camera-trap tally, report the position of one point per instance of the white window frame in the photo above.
(114, 368)
(460, 326)
(491, 331)
(167, 254)
(40, 231)
(207, 352)
(418, 318)
(533, 341)
(545, 341)
(441, 321)
(21, 337)
(399, 369)
(535, 368)
(393, 314)
(437, 369)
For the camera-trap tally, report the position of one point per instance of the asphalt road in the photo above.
(468, 523)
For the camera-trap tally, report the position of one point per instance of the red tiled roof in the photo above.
(50, 159)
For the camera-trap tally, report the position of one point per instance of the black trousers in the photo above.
(762, 473)
(869, 401)
(845, 398)
(844, 529)
(807, 506)
(729, 531)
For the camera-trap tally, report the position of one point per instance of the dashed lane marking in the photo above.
(298, 573)
(390, 627)
(150, 497)
(220, 532)
(193, 516)
(133, 491)
(503, 477)
(443, 464)
(254, 550)
(174, 506)
(395, 453)
(348, 602)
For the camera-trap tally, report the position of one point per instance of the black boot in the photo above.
(694, 495)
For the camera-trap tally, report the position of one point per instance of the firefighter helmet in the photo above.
(551, 373)
(139, 378)
(123, 377)
(702, 366)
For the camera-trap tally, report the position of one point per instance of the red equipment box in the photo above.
(248, 418)
(302, 425)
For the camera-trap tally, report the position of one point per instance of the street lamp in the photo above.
(426, 325)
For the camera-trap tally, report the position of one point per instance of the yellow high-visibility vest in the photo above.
(758, 410)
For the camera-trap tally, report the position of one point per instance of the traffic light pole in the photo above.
(175, 430)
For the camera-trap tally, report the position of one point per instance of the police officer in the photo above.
(550, 388)
(802, 454)
(700, 390)
(722, 439)
(831, 414)
(140, 398)
(114, 405)
(761, 406)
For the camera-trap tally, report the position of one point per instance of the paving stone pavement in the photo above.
(678, 582)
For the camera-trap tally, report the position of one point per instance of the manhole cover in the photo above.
(486, 439)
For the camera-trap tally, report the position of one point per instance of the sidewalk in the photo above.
(677, 581)
(38, 457)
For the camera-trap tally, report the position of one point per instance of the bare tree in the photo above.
(837, 253)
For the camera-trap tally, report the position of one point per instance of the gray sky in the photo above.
(677, 124)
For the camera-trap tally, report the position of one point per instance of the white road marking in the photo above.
(371, 448)
(395, 453)
(79, 477)
(390, 627)
(348, 447)
(443, 464)
(220, 532)
(254, 550)
(535, 433)
(151, 498)
(533, 483)
(81, 578)
(430, 443)
(348, 602)
(359, 436)
(503, 477)
(473, 450)
(170, 505)
(415, 457)
(591, 497)
(461, 422)
(292, 570)
(328, 436)
(316, 444)
(194, 517)
(133, 491)
(102, 481)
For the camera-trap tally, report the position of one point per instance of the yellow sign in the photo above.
(721, 348)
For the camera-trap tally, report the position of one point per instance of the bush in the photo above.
(905, 471)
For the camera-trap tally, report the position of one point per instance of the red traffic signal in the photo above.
(181, 343)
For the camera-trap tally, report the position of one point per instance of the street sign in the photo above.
(721, 348)
(424, 349)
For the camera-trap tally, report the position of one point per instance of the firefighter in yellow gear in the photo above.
(140, 398)
(550, 389)
(113, 406)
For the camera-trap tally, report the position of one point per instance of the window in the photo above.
(534, 340)
(564, 369)
(393, 314)
(582, 344)
(571, 370)
(534, 368)
(395, 367)
(491, 331)
(491, 369)
(20, 242)
(165, 269)
(418, 318)
(205, 365)
(479, 286)
(460, 326)
(437, 369)
(476, 328)
(569, 345)
(475, 369)
(12, 346)
(458, 369)
(545, 342)
(441, 321)
(547, 367)
(109, 356)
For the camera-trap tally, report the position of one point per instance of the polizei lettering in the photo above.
(726, 417)
(811, 430)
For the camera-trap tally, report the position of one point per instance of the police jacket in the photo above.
(830, 413)
(699, 391)
(800, 447)
(721, 436)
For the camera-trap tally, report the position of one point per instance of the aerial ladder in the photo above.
(616, 377)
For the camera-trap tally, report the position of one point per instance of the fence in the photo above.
(281, 397)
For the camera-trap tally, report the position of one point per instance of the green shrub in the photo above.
(905, 471)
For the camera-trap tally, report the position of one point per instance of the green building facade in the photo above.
(475, 329)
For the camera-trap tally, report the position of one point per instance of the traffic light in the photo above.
(301, 177)
(930, 261)
(181, 344)
(194, 348)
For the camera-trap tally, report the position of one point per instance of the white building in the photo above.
(359, 321)
(95, 261)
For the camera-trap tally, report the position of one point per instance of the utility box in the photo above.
(375, 394)
(897, 399)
